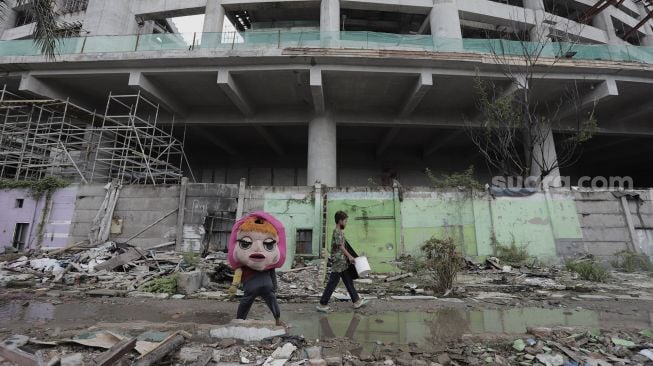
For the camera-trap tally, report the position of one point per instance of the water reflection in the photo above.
(447, 324)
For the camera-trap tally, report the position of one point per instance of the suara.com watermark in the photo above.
(585, 182)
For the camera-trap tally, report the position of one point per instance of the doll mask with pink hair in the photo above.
(257, 241)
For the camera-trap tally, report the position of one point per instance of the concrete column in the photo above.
(322, 153)
(8, 22)
(539, 32)
(329, 23)
(603, 21)
(213, 25)
(544, 154)
(445, 22)
(647, 40)
(110, 18)
(214, 17)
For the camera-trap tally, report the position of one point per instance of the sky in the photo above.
(194, 23)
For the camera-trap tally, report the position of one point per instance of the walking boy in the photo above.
(340, 259)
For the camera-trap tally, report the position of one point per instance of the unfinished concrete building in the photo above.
(338, 91)
(348, 92)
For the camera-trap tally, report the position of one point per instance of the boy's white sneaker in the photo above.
(360, 303)
(323, 308)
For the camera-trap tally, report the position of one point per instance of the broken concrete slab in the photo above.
(103, 292)
(416, 297)
(248, 330)
(211, 295)
(130, 255)
(190, 282)
(280, 355)
(149, 295)
(75, 359)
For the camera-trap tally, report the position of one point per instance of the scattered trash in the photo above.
(519, 345)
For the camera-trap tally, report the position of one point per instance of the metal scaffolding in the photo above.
(46, 137)
(41, 137)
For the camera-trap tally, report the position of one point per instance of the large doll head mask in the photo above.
(257, 241)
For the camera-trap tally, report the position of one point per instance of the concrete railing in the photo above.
(334, 40)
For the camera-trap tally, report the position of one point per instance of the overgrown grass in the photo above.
(589, 270)
(512, 253)
(161, 285)
(464, 180)
(442, 259)
(191, 258)
(630, 262)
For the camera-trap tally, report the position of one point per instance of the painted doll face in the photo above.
(257, 245)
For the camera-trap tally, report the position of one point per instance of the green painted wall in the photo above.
(371, 225)
(382, 228)
(296, 211)
(430, 214)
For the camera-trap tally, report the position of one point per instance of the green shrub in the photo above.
(589, 270)
(36, 187)
(464, 179)
(190, 258)
(443, 261)
(512, 253)
(632, 262)
(161, 285)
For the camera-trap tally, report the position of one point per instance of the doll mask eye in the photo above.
(269, 244)
(245, 243)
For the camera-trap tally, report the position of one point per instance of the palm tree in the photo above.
(45, 19)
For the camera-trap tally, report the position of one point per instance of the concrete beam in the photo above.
(601, 92)
(233, 91)
(520, 82)
(156, 9)
(140, 82)
(317, 90)
(645, 111)
(387, 140)
(271, 140)
(422, 86)
(440, 141)
(35, 86)
(216, 140)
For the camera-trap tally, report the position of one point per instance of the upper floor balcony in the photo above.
(325, 40)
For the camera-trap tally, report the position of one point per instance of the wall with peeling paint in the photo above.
(138, 206)
(384, 222)
(540, 222)
(294, 206)
(373, 223)
(58, 219)
(209, 214)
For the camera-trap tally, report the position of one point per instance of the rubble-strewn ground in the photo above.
(510, 316)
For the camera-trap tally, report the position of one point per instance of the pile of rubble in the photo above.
(114, 269)
(263, 343)
(109, 269)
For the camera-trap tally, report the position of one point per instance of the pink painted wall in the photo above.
(57, 229)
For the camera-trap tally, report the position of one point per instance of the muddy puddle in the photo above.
(423, 328)
(447, 324)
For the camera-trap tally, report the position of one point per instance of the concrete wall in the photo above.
(384, 222)
(294, 206)
(373, 222)
(605, 222)
(138, 206)
(382, 227)
(210, 212)
(58, 219)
